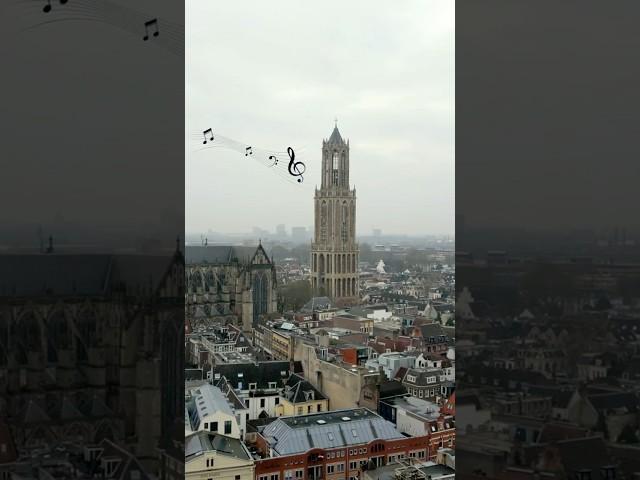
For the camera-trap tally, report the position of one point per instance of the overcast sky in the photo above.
(275, 74)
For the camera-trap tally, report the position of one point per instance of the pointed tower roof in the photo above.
(335, 136)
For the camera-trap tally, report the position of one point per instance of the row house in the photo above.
(333, 445)
(427, 383)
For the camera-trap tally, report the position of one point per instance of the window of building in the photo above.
(214, 427)
(275, 476)
(336, 160)
(237, 477)
(340, 467)
(272, 385)
(330, 469)
(353, 465)
(299, 474)
(253, 386)
(421, 454)
(288, 475)
(263, 477)
(299, 410)
(227, 427)
(319, 409)
(277, 400)
(206, 425)
(308, 408)
(262, 403)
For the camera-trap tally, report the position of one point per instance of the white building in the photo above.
(209, 410)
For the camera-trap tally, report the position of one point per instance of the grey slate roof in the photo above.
(317, 303)
(297, 390)
(78, 274)
(335, 136)
(204, 441)
(261, 373)
(342, 428)
(218, 254)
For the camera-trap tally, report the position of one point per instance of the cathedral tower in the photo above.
(334, 251)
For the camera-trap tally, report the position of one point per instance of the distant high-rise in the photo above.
(334, 251)
(299, 234)
(281, 231)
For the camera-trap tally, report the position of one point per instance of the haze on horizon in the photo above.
(277, 77)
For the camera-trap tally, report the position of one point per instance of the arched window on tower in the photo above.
(344, 169)
(345, 227)
(323, 222)
(336, 167)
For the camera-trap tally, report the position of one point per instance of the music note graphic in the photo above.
(47, 7)
(293, 166)
(248, 151)
(275, 160)
(146, 28)
(208, 130)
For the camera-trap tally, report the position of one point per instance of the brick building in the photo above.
(333, 445)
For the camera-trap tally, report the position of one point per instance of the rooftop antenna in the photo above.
(50, 247)
(40, 238)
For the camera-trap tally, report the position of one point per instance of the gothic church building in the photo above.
(334, 251)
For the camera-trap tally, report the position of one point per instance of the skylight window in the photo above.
(330, 435)
(353, 431)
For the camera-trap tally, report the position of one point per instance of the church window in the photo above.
(260, 295)
(335, 160)
(344, 223)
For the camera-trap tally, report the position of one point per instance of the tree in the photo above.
(295, 294)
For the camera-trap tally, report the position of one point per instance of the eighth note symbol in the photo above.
(205, 135)
(47, 7)
(146, 28)
(248, 151)
(275, 160)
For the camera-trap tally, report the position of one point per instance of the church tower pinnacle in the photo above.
(334, 251)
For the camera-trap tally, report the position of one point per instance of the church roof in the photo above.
(335, 136)
(79, 274)
(219, 254)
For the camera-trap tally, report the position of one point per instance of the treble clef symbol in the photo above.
(293, 166)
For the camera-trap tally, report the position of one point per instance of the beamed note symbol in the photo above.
(148, 24)
(208, 130)
(47, 7)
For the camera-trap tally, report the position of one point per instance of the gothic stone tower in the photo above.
(334, 251)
